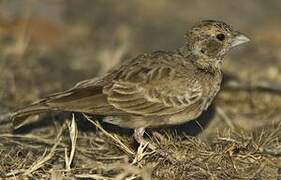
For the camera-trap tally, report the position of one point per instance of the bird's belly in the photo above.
(186, 115)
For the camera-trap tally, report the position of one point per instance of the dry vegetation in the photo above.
(237, 138)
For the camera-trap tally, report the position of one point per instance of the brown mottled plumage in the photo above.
(154, 89)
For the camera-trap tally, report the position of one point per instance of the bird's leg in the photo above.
(138, 135)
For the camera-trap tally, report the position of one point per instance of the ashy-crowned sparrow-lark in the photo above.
(159, 88)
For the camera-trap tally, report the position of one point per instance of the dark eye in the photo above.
(220, 37)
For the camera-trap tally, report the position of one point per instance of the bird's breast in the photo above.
(211, 87)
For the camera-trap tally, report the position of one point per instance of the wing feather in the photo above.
(158, 94)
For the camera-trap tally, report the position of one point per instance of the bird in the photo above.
(153, 89)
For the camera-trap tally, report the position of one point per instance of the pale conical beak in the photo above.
(239, 39)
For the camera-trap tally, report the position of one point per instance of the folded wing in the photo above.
(161, 92)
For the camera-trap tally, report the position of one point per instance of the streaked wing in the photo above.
(161, 92)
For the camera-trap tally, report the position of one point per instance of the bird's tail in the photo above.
(78, 99)
(28, 114)
(19, 117)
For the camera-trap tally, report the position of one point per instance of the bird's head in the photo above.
(210, 40)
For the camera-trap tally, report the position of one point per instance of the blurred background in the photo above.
(48, 46)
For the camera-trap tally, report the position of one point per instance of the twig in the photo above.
(92, 176)
(41, 161)
(272, 152)
(226, 119)
(140, 153)
(135, 172)
(114, 138)
(30, 137)
(262, 86)
(73, 136)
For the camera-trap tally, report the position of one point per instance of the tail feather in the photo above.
(20, 116)
(30, 113)
(78, 99)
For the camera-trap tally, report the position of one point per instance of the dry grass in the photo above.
(227, 155)
(240, 139)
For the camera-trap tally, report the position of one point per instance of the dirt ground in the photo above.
(48, 46)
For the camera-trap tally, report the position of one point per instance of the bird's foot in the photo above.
(143, 144)
(138, 135)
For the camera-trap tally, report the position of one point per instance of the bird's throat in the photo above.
(201, 61)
